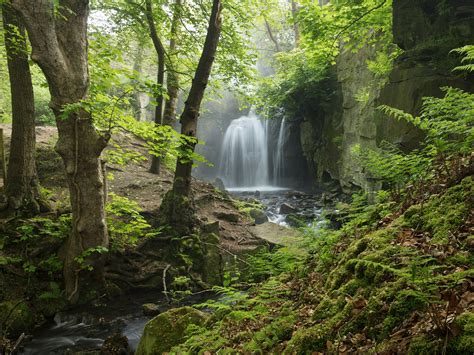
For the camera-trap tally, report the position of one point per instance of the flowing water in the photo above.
(252, 165)
(278, 161)
(247, 153)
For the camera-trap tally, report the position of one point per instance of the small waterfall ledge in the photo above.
(246, 162)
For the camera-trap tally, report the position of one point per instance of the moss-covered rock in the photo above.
(258, 215)
(16, 317)
(168, 329)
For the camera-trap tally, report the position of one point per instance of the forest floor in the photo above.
(133, 181)
(29, 247)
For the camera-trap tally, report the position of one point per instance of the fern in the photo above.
(468, 53)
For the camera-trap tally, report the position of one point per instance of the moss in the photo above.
(464, 343)
(307, 340)
(443, 215)
(425, 345)
(168, 329)
(16, 318)
(274, 333)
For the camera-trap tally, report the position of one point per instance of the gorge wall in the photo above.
(344, 115)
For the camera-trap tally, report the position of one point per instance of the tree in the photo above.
(160, 81)
(172, 78)
(178, 206)
(58, 34)
(22, 186)
(294, 12)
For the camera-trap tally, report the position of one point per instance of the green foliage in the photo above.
(468, 58)
(126, 225)
(448, 124)
(41, 227)
(43, 114)
(300, 76)
(444, 214)
(53, 293)
(83, 259)
(382, 65)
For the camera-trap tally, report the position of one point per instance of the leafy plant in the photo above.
(126, 224)
(82, 259)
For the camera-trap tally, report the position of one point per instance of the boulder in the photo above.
(258, 215)
(115, 344)
(286, 208)
(150, 309)
(211, 228)
(227, 216)
(294, 220)
(219, 184)
(168, 330)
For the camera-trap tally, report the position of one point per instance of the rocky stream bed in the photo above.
(92, 328)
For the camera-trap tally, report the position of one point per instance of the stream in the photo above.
(87, 329)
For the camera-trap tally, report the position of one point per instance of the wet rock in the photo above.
(297, 194)
(168, 330)
(227, 216)
(295, 221)
(275, 234)
(336, 218)
(286, 208)
(116, 344)
(258, 215)
(150, 309)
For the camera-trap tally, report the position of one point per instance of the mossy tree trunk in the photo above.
(59, 46)
(178, 206)
(22, 186)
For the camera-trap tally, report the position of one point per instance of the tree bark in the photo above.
(137, 67)
(160, 80)
(178, 206)
(22, 186)
(271, 35)
(296, 29)
(59, 46)
(172, 78)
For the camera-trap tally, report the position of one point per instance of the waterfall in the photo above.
(278, 161)
(245, 158)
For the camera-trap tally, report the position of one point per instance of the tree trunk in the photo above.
(137, 67)
(22, 187)
(172, 78)
(271, 35)
(294, 12)
(178, 207)
(160, 80)
(59, 46)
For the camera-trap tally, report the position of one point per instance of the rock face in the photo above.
(346, 115)
(168, 329)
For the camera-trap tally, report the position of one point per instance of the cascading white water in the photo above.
(244, 156)
(278, 161)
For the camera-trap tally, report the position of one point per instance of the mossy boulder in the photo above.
(16, 318)
(258, 215)
(168, 330)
